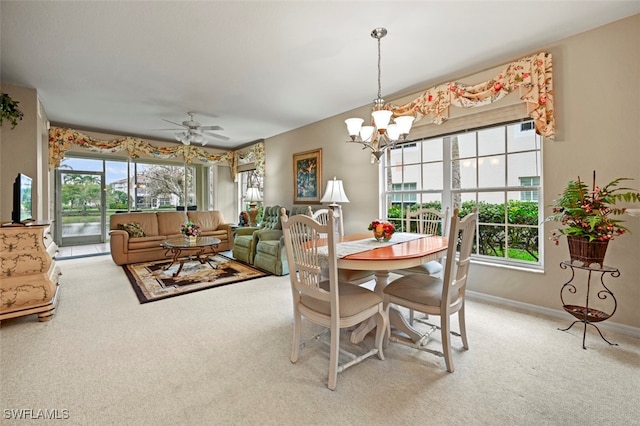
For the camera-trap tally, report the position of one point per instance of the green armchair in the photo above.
(270, 254)
(244, 244)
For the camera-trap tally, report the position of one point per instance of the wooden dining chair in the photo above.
(439, 296)
(326, 302)
(429, 222)
(348, 276)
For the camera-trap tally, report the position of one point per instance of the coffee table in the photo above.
(177, 246)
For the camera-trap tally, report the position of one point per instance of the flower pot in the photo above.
(191, 239)
(587, 252)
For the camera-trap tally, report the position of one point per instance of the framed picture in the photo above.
(307, 177)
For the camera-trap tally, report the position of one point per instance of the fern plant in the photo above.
(590, 213)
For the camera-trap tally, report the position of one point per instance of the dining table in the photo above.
(408, 250)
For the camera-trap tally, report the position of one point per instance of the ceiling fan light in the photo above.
(381, 118)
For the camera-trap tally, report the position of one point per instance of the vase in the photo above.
(191, 239)
(587, 252)
(381, 236)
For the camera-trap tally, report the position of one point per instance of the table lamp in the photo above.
(252, 197)
(334, 194)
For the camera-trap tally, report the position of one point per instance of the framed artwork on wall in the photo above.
(307, 177)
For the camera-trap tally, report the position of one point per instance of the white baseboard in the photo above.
(554, 313)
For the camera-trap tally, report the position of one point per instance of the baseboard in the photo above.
(554, 313)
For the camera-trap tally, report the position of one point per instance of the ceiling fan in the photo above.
(192, 131)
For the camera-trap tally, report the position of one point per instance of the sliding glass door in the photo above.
(81, 211)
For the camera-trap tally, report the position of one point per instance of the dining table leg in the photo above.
(396, 319)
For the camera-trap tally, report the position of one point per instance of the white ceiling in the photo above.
(260, 68)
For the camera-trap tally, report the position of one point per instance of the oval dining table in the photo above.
(387, 258)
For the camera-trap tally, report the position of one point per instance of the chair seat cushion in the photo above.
(353, 300)
(243, 240)
(347, 275)
(418, 288)
(270, 247)
(429, 268)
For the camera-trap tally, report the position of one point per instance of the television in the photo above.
(22, 200)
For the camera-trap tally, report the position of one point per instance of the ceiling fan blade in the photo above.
(173, 122)
(215, 135)
(181, 128)
(210, 128)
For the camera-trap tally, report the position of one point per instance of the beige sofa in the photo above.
(160, 226)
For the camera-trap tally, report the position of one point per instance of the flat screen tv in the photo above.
(22, 201)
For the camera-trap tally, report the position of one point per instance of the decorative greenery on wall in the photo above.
(9, 110)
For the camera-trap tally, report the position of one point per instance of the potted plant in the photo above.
(9, 110)
(190, 231)
(589, 217)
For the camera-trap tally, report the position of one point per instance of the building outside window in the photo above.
(497, 169)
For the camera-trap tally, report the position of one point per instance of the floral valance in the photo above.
(530, 75)
(62, 139)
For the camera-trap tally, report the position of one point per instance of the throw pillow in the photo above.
(133, 229)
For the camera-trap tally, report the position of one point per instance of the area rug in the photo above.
(151, 281)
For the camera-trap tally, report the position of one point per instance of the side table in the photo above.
(586, 314)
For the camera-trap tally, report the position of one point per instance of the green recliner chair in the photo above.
(244, 244)
(270, 252)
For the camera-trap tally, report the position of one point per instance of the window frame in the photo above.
(448, 193)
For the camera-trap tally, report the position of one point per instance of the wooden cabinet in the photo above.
(28, 271)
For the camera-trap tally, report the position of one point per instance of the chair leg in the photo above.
(446, 341)
(463, 327)
(334, 353)
(297, 325)
(382, 327)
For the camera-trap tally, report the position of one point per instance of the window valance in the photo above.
(531, 75)
(61, 140)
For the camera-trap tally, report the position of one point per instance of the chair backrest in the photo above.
(428, 221)
(303, 237)
(271, 218)
(462, 233)
(322, 216)
(299, 210)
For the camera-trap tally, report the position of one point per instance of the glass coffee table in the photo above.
(181, 250)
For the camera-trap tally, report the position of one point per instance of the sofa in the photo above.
(137, 237)
(263, 246)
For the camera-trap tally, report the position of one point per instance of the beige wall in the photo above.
(21, 151)
(597, 113)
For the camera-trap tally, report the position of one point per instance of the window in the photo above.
(497, 168)
(406, 198)
(529, 181)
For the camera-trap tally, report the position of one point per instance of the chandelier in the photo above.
(383, 133)
(189, 136)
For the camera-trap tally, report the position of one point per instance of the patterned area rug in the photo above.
(151, 281)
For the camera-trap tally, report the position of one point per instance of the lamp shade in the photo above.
(253, 195)
(334, 193)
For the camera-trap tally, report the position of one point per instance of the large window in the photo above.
(497, 169)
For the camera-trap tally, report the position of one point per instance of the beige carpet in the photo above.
(221, 357)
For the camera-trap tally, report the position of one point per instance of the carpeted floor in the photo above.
(221, 357)
(155, 280)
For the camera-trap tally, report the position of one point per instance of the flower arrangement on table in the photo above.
(382, 230)
(190, 229)
(588, 213)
